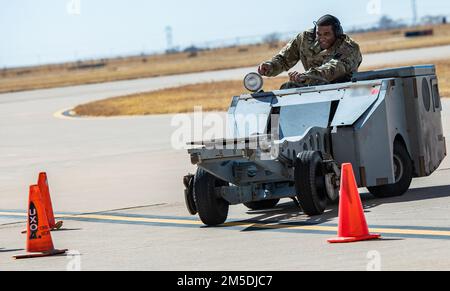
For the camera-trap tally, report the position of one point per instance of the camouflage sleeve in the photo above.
(341, 66)
(287, 58)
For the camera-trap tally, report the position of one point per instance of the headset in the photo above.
(337, 27)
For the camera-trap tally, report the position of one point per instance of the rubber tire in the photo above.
(310, 190)
(189, 195)
(400, 188)
(212, 210)
(261, 205)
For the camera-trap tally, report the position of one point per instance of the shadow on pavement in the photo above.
(289, 215)
(67, 229)
(10, 251)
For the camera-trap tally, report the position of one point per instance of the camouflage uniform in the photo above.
(335, 64)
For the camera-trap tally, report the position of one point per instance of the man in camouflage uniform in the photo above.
(328, 56)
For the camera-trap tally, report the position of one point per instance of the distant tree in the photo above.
(272, 39)
(191, 49)
(386, 22)
(174, 50)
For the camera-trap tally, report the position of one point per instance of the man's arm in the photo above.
(287, 58)
(341, 66)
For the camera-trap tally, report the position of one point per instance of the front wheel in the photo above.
(213, 210)
(310, 183)
(403, 169)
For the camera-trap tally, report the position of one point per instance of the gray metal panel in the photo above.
(315, 139)
(425, 126)
(300, 112)
(355, 102)
(403, 72)
(295, 120)
(250, 117)
(374, 140)
(368, 145)
(322, 89)
(309, 97)
(344, 148)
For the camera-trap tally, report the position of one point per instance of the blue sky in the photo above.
(43, 31)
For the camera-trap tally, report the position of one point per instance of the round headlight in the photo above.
(253, 82)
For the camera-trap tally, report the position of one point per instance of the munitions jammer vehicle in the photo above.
(386, 123)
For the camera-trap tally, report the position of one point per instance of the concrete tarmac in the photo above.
(117, 184)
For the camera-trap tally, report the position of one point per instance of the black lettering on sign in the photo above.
(33, 221)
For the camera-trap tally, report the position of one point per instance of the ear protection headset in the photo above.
(337, 27)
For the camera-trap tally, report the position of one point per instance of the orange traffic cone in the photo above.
(46, 199)
(39, 239)
(45, 192)
(352, 221)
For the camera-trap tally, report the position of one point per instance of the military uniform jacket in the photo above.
(335, 64)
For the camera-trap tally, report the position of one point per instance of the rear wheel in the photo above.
(213, 210)
(261, 205)
(310, 183)
(403, 169)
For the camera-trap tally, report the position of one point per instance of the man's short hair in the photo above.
(330, 20)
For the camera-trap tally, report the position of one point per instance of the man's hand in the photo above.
(264, 69)
(295, 77)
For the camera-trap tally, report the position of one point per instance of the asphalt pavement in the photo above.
(116, 183)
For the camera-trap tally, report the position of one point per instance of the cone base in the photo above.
(40, 255)
(341, 240)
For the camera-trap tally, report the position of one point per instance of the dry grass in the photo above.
(211, 96)
(227, 58)
(214, 96)
(392, 40)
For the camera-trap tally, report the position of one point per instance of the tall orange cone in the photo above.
(45, 192)
(39, 239)
(352, 221)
